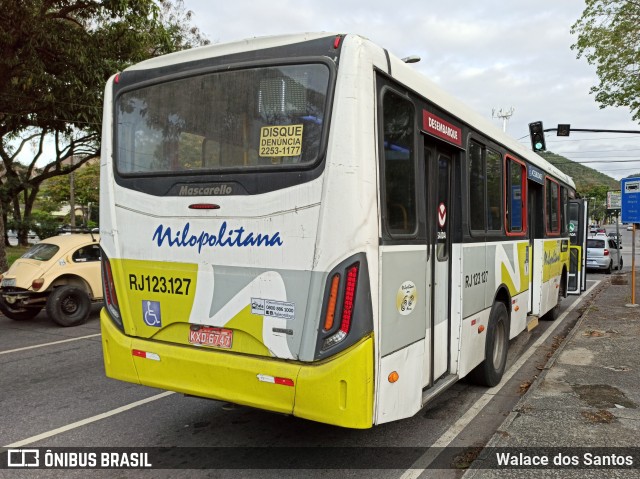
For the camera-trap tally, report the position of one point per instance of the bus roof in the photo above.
(399, 70)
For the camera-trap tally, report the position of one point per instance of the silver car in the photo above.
(602, 254)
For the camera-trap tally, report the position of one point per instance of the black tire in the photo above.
(489, 372)
(621, 265)
(609, 268)
(18, 313)
(69, 305)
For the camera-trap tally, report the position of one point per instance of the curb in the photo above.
(501, 431)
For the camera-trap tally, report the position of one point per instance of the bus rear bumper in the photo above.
(336, 391)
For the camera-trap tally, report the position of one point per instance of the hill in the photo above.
(585, 178)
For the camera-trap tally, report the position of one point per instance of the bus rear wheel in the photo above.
(489, 372)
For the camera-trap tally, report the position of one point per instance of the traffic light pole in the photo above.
(595, 130)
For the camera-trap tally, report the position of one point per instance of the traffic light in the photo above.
(536, 132)
(564, 129)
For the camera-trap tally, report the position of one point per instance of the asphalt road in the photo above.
(53, 393)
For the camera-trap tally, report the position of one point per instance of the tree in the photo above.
(55, 58)
(56, 191)
(597, 196)
(609, 38)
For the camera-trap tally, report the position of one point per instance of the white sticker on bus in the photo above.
(406, 298)
(276, 309)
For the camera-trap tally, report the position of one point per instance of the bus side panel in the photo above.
(404, 296)
(404, 308)
(474, 279)
(457, 306)
(512, 269)
(402, 398)
(486, 268)
(553, 259)
(475, 293)
(472, 342)
(536, 277)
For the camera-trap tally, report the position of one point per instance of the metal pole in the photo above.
(618, 240)
(633, 264)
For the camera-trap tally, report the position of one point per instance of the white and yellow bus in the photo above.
(305, 224)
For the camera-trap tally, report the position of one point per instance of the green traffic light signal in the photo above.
(536, 132)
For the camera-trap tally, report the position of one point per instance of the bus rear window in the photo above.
(268, 116)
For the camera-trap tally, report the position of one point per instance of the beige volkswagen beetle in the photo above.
(61, 273)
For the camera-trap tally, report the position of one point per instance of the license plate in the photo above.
(9, 282)
(211, 336)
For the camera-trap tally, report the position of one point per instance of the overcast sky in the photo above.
(492, 54)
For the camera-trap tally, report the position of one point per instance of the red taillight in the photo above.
(606, 252)
(109, 289)
(336, 42)
(36, 284)
(349, 295)
(110, 296)
(204, 206)
(348, 303)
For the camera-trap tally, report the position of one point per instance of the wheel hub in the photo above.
(69, 305)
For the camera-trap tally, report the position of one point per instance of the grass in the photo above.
(14, 252)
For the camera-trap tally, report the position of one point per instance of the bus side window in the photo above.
(399, 164)
(485, 189)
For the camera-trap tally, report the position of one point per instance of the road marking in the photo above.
(443, 441)
(86, 421)
(49, 344)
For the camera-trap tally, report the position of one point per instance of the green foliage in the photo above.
(585, 178)
(590, 183)
(44, 224)
(609, 38)
(55, 58)
(58, 54)
(56, 190)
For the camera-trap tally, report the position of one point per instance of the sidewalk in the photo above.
(589, 393)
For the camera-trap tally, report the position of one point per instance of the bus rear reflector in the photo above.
(275, 380)
(145, 354)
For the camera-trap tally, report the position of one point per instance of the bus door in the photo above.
(578, 228)
(438, 165)
(535, 208)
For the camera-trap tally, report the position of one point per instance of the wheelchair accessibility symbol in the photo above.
(151, 313)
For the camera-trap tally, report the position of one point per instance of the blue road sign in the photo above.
(630, 203)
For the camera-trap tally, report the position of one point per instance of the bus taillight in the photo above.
(333, 302)
(349, 295)
(110, 297)
(348, 298)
